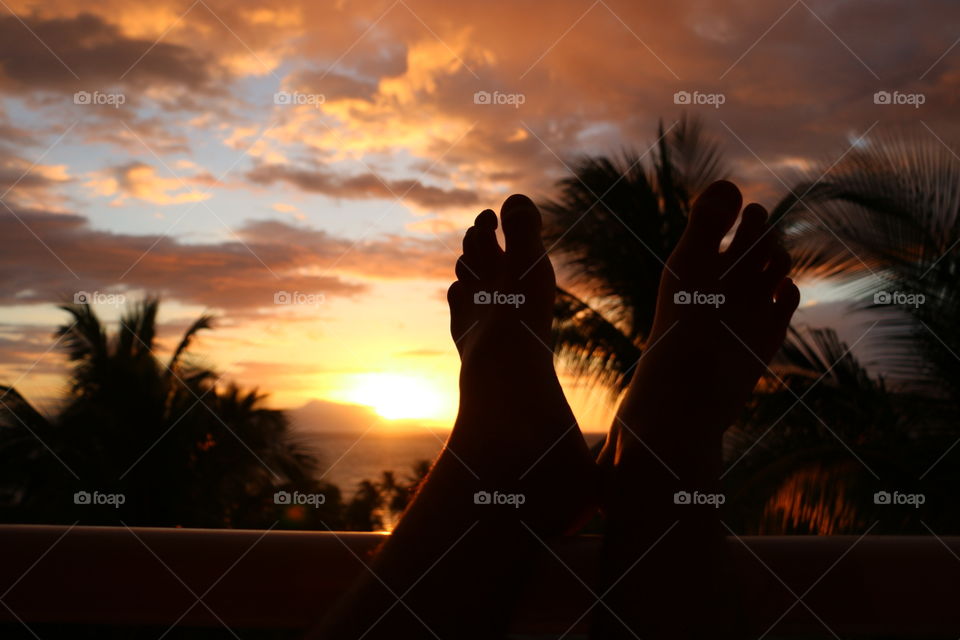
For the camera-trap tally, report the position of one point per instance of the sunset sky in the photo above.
(217, 153)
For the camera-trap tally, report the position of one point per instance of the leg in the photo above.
(457, 558)
(720, 318)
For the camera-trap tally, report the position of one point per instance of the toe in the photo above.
(470, 243)
(488, 249)
(527, 267)
(465, 271)
(751, 226)
(776, 270)
(753, 247)
(456, 295)
(521, 226)
(487, 219)
(787, 300)
(712, 215)
(481, 252)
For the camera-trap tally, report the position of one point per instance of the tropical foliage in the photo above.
(824, 432)
(610, 228)
(180, 447)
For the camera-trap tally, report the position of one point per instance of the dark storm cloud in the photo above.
(69, 54)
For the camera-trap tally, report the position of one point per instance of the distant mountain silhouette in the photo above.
(325, 415)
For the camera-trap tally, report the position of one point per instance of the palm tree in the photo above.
(364, 511)
(894, 205)
(610, 229)
(398, 493)
(180, 447)
(886, 219)
(379, 504)
(820, 438)
(884, 224)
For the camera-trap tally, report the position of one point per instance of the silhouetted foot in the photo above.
(720, 318)
(515, 430)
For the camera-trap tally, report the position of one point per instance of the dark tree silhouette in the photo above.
(182, 448)
(610, 229)
(885, 218)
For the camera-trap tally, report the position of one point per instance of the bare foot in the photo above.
(515, 430)
(720, 318)
(515, 461)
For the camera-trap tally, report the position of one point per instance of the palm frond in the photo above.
(203, 322)
(695, 159)
(138, 330)
(887, 219)
(611, 227)
(591, 347)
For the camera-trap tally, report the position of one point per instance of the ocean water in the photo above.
(349, 457)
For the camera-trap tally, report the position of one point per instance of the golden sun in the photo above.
(396, 396)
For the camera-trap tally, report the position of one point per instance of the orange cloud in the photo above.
(140, 181)
(48, 257)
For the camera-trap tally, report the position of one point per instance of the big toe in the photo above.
(712, 216)
(521, 226)
(527, 263)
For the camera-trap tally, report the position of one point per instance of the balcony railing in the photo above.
(843, 586)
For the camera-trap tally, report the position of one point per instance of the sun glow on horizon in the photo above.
(397, 396)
